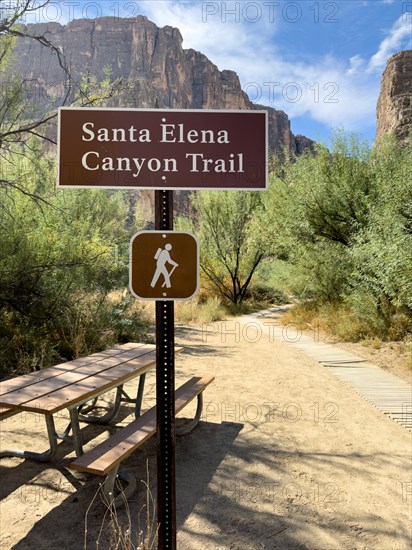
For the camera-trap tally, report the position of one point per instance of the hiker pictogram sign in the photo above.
(164, 265)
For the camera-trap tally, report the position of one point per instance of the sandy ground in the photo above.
(285, 457)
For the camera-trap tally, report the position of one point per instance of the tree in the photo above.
(315, 208)
(59, 260)
(16, 112)
(383, 249)
(231, 245)
(20, 117)
(59, 249)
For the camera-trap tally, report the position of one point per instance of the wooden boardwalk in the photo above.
(387, 392)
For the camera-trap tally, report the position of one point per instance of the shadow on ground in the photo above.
(229, 502)
(68, 517)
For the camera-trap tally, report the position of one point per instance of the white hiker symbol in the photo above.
(162, 258)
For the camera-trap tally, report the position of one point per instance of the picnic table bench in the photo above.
(76, 386)
(105, 458)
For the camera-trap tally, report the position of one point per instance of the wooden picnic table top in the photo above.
(75, 382)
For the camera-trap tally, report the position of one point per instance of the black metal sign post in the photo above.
(165, 403)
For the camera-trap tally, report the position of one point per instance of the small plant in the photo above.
(375, 343)
(121, 537)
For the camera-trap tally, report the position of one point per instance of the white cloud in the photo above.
(399, 37)
(356, 63)
(327, 89)
(324, 89)
(217, 29)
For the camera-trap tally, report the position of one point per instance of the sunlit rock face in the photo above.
(155, 69)
(394, 109)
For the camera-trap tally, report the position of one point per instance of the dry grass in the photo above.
(123, 537)
(196, 311)
(363, 337)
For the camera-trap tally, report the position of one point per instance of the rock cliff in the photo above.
(155, 70)
(394, 108)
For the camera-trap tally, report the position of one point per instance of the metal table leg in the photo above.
(139, 397)
(121, 397)
(110, 489)
(189, 426)
(77, 434)
(41, 457)
(90, 405)
(105, 419)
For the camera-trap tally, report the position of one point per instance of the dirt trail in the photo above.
(286, 457)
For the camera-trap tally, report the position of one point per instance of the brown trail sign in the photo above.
(156, 149)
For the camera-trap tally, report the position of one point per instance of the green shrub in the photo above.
(265, 295)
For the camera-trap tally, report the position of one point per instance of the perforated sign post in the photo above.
(163, 150)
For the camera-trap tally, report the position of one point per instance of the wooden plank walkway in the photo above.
(387, 392)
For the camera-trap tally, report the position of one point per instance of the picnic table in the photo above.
(75, 386)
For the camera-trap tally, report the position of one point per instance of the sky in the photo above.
(319, 61)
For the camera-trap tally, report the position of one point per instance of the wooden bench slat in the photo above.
(81, 375)
(13, 384)
(120, 445)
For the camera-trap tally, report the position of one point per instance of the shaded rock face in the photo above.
(394, 108)
(155, 70)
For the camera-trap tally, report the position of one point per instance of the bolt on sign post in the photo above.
(163, 150)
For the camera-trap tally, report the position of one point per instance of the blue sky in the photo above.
(319, 61)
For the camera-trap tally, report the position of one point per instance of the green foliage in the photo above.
(266, 296)
(315, 208)
(342, 221)
(383, 249)
(231, 242)
(61, 252)
(60, 257)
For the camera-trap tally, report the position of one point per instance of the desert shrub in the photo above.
(314, 208)
(62, 253)
(358, 318)
(382, 252)
(261, 294)
(343, 223)
(197, 311)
